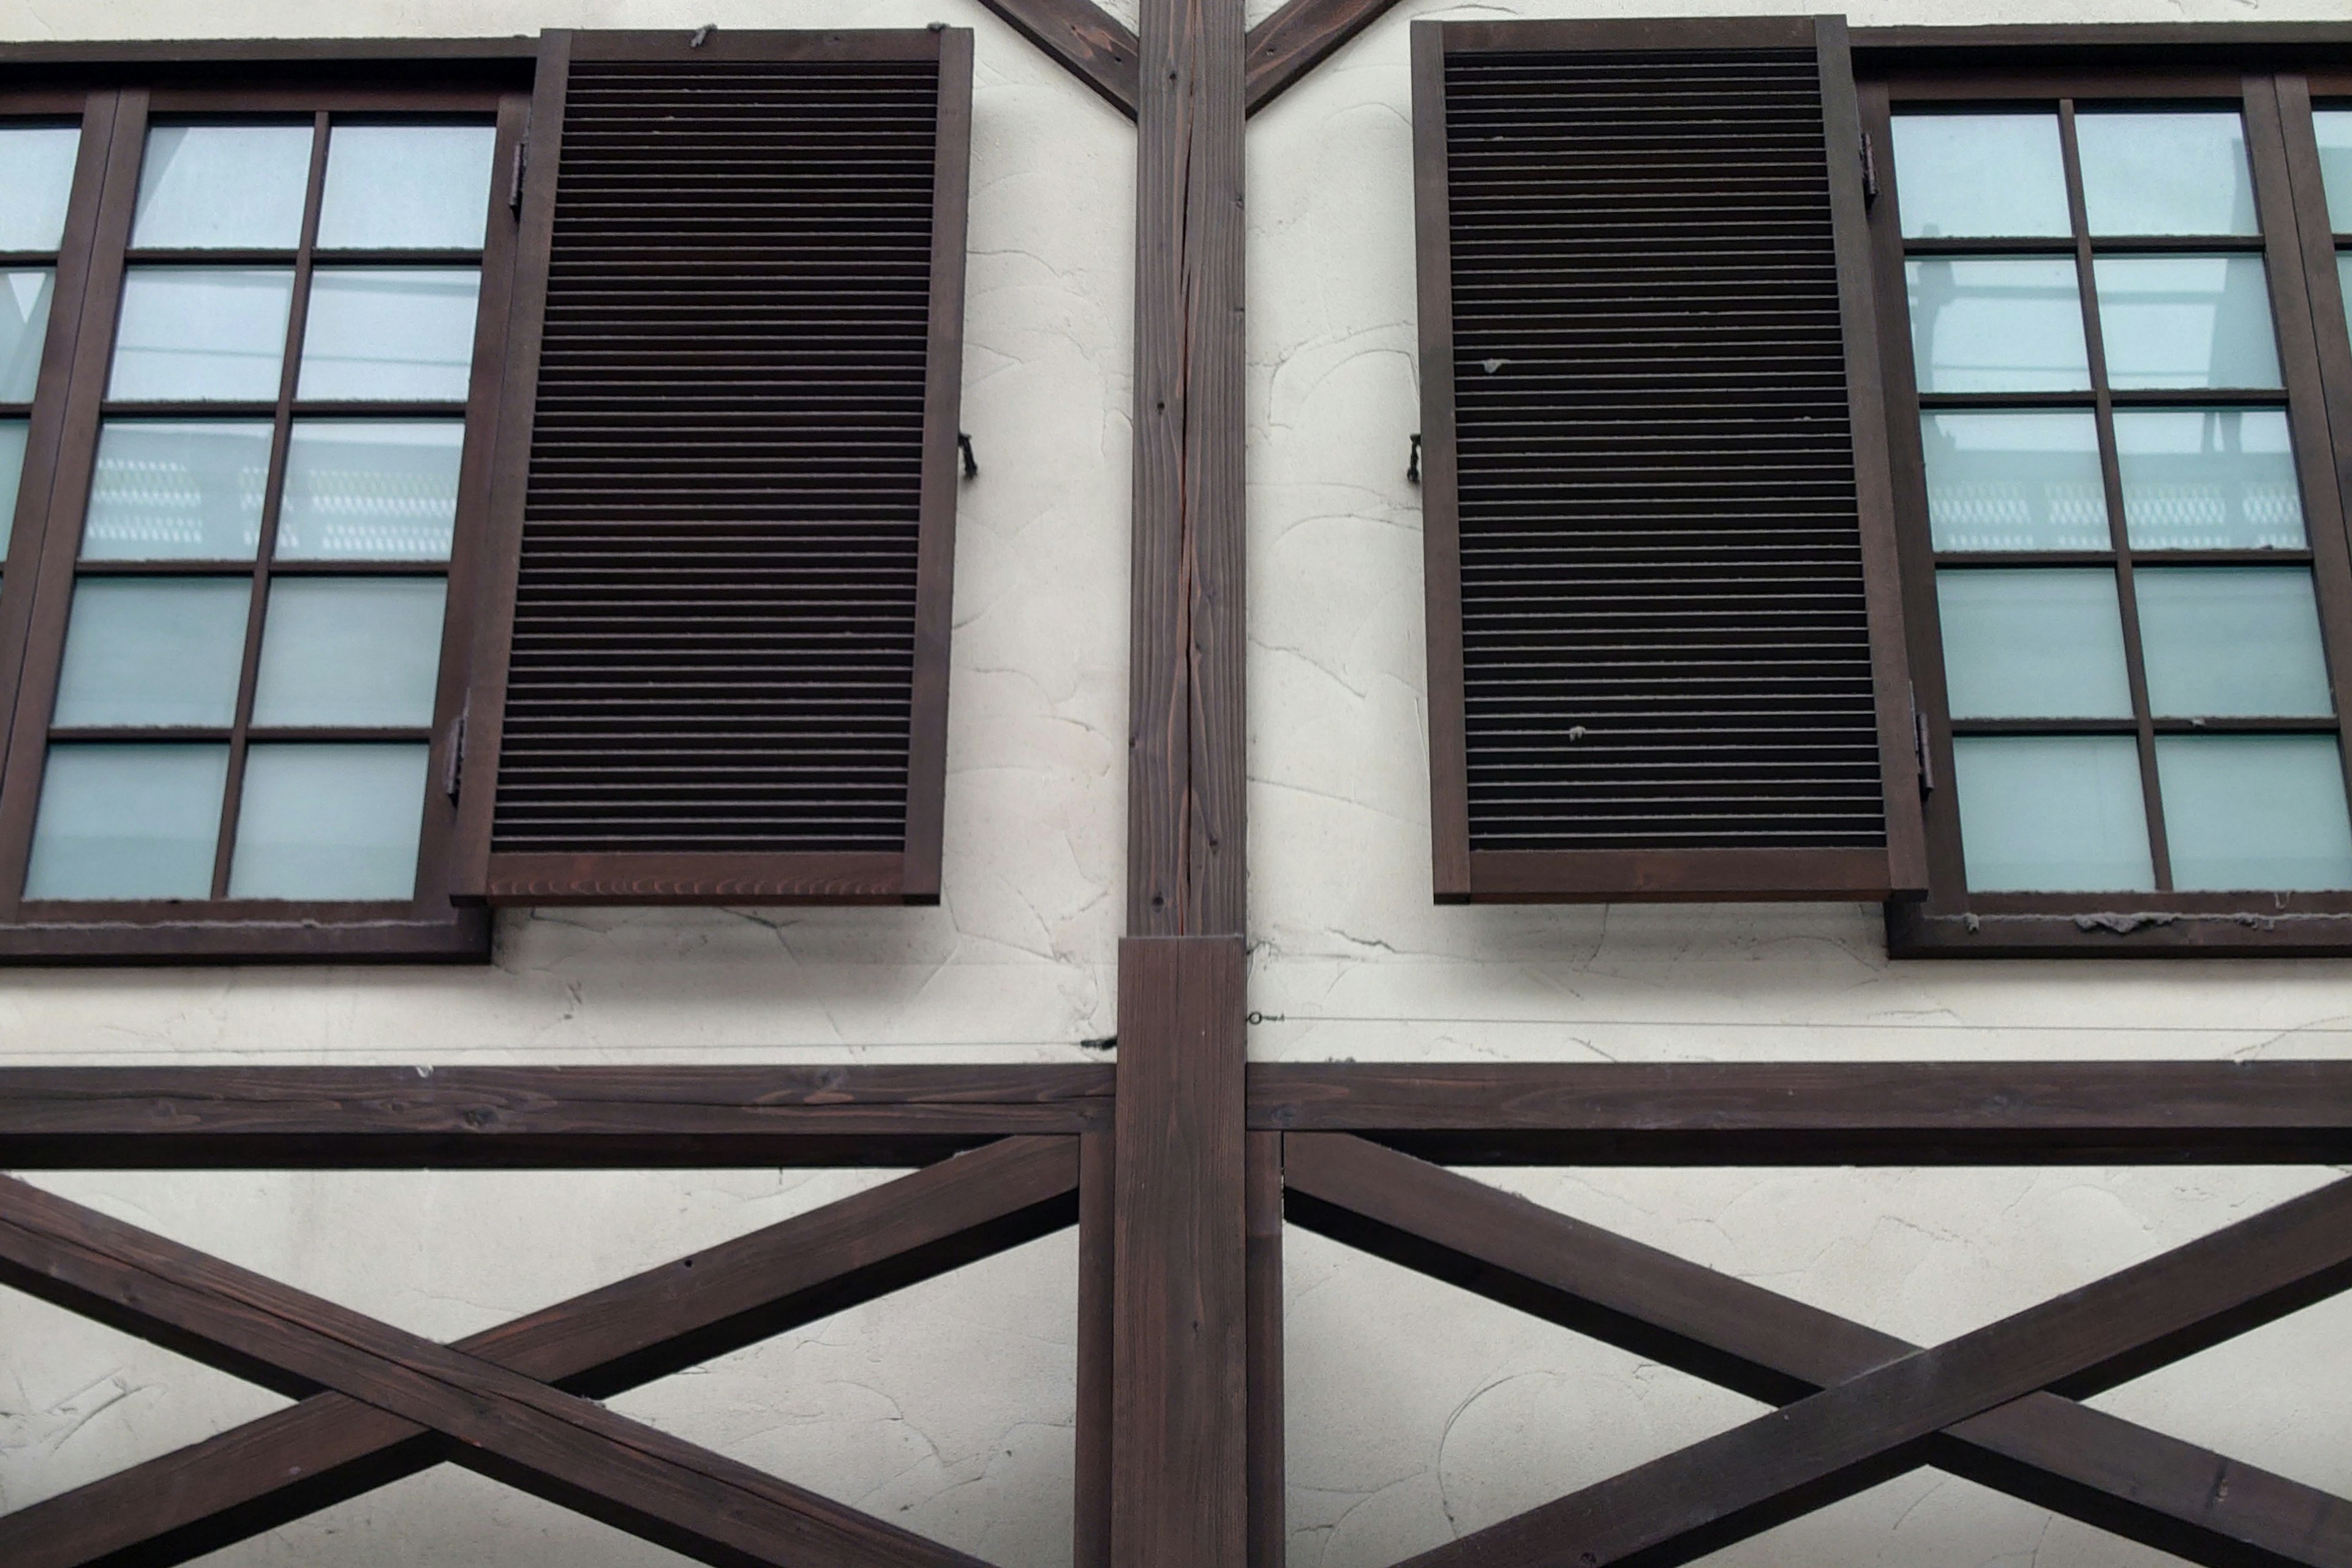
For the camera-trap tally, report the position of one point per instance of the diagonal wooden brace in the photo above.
(2045, 1449)
(331, 1446)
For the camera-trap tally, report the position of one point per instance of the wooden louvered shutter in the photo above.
(1665, 647)
(714, 664)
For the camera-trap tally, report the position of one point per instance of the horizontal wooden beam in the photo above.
(1298, 37)
(606, 1117)
(1823, 1113)
(2155, 1489)
(1091, 44)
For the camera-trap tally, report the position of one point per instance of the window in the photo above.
(400, 531)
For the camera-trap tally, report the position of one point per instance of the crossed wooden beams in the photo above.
(1998, 1406)
(1102, 51)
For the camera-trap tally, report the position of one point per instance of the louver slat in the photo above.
(724, 678)
(1661, 620)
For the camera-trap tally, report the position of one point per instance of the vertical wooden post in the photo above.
(1180, 1426)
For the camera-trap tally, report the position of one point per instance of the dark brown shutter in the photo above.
(717, 668)
(1665, 650)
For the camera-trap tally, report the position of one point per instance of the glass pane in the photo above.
(198, 334)
(350, 651)
(2166, 173)
(328, 822)
(2255, 811)
(2051, 814)
(24, 328)
(2037, 642)
(36, 165)
(177, 489)
(1967, 175)
(127, 822)
(209, 187)
(2014, 481)
(2186, 320)
(2005, 325)
(412, 187)
(2209, 479)
(2334, 129)
(384, 333)
(383, 490)
(12, 471)
(2220, 640)
(153, 650)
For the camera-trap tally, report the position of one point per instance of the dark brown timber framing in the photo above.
(1090, 43)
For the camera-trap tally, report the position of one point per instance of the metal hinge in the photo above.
(1869, 171)
(453, 770)
(1919, 748)
(514, 183)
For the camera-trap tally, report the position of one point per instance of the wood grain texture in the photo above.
(558, 1447)
(617, 1117)
(1187, 733)
(1097, 1243)
(1180, 1424)
(1892, 1113)
(330, 1448)
(1094, 45)
(1269, 1539)
(2049, 1451)
(1301, 36)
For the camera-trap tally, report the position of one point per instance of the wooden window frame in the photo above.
(2270, 74)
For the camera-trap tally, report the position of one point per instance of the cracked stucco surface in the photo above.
(1415, 1413)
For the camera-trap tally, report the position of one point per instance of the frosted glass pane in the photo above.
(127, 822)
(153, 650)
(2014, 481)
(24, 328)
(350, 651)
(328, 822)
(2166, 173)
(2255, 811)
(36, 165)
(1967, 175)
(177, 489)
(2209, 479)
(2013, 324)
(2231, 640)
(381, 489)
(2036, 643)
(2186, 320)
(12, 473)
(2334, 129)
(2051, 814)
(390, 333)
(201, 332)
(208, 187)
(407, 187)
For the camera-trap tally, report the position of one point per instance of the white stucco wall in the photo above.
(1414, 1412)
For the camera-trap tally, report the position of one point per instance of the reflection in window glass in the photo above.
(1966, 177)
(390, 333)
(184, 489)
(2186, 322)
(23, 329)
(36, 167)
(407, 187)
(2254, 812)
(2008, 324)
(201, 333)
(2166, 173)
(2334, 129)
(329, 821)
(2225, 641)
(2014, 481)
(374, 490)
(2051, 814)
(2034, 643)
(127, 822)
(12, 474)
(2209, 479)
(350, 651)
(153, 650)
(212, 187)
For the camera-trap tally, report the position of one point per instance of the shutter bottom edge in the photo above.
(1665, 876)
(520, 879)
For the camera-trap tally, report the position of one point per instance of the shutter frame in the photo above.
(485, 872)
(1463, 873)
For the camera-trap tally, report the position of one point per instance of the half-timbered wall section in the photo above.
(1244, 1162)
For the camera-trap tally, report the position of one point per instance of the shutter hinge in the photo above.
(454, 770)
(514, 182)
(1919, 748)
(1413, 460)
(1869, 171)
